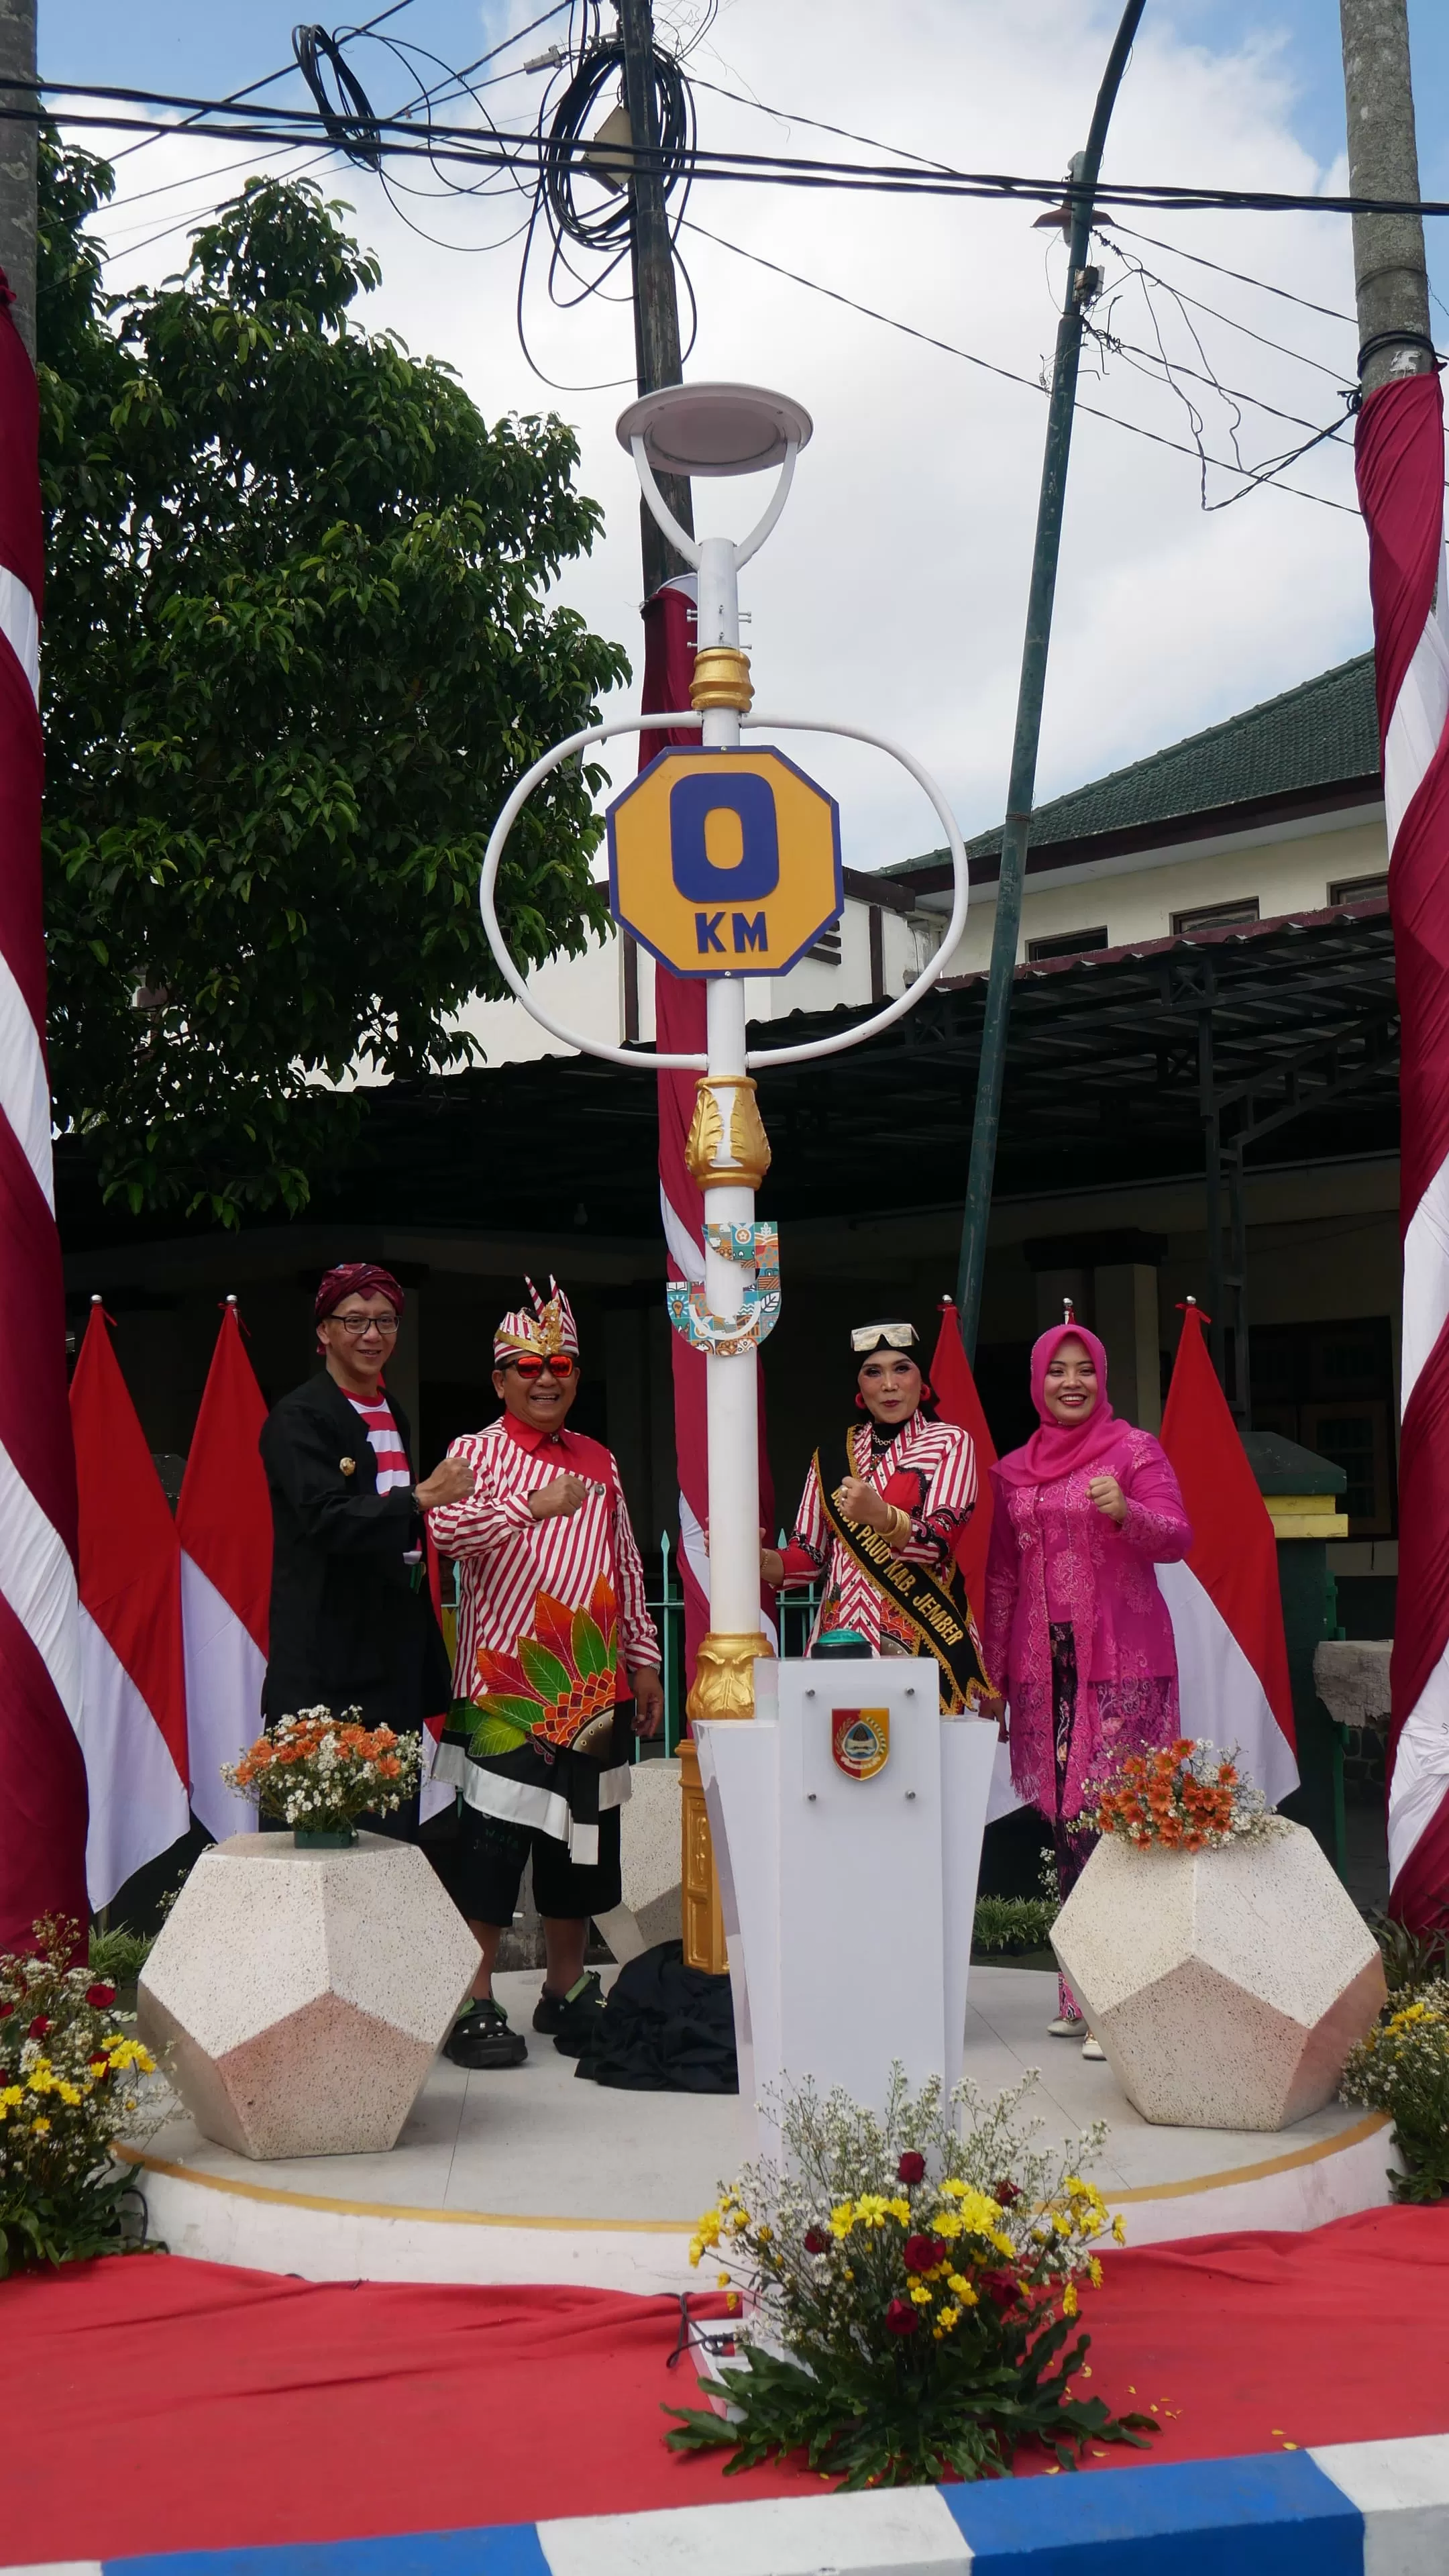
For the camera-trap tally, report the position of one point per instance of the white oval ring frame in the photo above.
(642, 1060)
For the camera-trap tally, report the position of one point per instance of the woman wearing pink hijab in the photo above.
(1076, 1634)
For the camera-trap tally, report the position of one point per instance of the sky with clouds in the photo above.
(893, 592)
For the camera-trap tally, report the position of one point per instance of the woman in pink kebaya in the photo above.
(1076, 1633)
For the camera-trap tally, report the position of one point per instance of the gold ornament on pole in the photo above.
(727, 1160)
(724, 1687)
(721, 679)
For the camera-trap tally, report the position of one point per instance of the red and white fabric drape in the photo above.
(1400, 464)
(42, 1775)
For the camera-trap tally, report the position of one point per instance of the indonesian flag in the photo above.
(957, 1401)
(1227, 1612)
(679, 1027)
(224, 1526)
(133, 1687)
(42, 1774)
(1399, 456)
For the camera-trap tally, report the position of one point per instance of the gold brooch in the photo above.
(348, 1466)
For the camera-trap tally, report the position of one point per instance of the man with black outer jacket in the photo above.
(352, 1622)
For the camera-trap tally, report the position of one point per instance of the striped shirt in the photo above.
(940, 1461)
(385, 1442)
(506, 1557)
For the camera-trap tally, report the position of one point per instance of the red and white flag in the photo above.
(133, 1689)
(224, 1528)
(954, 1388)
(679, 1029)
(1226, 1608)
(42, 1775)
(1399, 456)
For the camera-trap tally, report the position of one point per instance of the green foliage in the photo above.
(297, 653)
(1402, 2067)
(1411, 1959)
(119, 1954)
(1014, 1922)
(912, 2287)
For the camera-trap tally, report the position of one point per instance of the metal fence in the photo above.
(666, 1607)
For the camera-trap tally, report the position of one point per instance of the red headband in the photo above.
(355, 1279)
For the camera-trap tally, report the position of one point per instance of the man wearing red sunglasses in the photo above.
(554, 1643)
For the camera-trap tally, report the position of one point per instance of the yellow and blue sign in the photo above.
(725, 862)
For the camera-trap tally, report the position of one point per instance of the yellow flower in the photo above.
(959, 2286)
(129, 2052)
(1069, 2300)
(40, 2078)
(724, 2280)
(1095, 2270)
(1119, 2228)
(40, 2128)
(764, 2234)
(948, 2318)
(696, 2250)
(900, 2209)
(1003, 2244)
(69, 2093)
(708, 2228)
(920, 2294)
(842, 2218)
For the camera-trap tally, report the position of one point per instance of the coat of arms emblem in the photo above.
(860, 1740)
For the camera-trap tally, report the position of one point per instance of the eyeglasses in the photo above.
(561, 1366)
(357, 1325)
(896, 1337)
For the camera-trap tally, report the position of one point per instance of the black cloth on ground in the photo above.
(665, 2029)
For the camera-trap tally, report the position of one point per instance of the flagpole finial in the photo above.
(1191, 1301)
(98, 1301)
(1069, 1312)
(230, 1298)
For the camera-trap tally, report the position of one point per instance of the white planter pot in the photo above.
(1226, 1987)
(301, 1996)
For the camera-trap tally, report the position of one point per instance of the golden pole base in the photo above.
(724, 1686)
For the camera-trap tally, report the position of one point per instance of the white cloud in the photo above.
(893, 592)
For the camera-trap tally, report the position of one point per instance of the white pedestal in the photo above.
(848, 1903)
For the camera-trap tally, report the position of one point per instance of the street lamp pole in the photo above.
(986, 1122)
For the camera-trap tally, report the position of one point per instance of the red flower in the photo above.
(923, 2253)
(5, 2011)
(101, 1995)
(912, 2167)
(1006, 2194)
(39, 2026)
(816, 2241)
(1002, 2288)
(900, 2319)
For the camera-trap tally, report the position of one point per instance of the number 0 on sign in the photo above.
(725, 862)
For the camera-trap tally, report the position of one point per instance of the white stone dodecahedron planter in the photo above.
(1226, 1987)
(301, 1996)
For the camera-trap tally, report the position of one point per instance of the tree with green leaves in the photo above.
(297, 650)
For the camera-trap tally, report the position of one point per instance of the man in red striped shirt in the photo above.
(554, 1641)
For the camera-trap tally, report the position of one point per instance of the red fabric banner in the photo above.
(42, 1772)
(1399, 456)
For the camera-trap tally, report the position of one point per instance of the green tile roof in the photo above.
(1323, 732)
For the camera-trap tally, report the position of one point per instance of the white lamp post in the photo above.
(712, 430)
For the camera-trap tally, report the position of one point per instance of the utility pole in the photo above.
(656, 309)
(17, 160)
(1390, 279)
(1080, 288)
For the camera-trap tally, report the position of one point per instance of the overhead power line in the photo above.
(528, 152)
(1009, 375)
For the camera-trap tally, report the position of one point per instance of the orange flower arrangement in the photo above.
(1184, 1797)
(319, 1772)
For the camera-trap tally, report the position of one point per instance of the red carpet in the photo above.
(156, 2403)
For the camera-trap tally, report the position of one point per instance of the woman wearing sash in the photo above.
(881, 1516)
(1077, 1633)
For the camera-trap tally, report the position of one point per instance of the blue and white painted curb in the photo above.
(1355, 2509)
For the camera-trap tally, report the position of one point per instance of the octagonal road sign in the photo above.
(725, 862)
